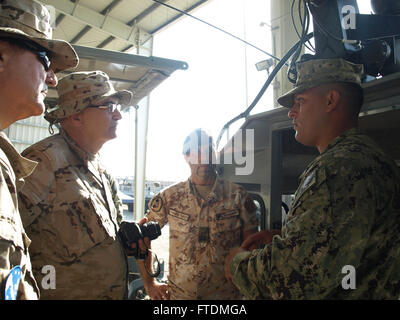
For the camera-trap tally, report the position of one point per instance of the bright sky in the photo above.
(210, 93)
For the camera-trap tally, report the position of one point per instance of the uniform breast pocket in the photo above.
(225, 233)
(226, 221)
(80, 225)
(181, 237)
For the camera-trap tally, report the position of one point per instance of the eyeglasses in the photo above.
(110, 106)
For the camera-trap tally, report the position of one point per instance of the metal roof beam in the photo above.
(127, 48)
(114, 79)
(86, 29)
(179, 15)
(106, 11)
(132, 23)
(110, 7)
(106, 42)
(60, 18)
(161, 64)
(80, 34)
(97, 20)
(145, 13)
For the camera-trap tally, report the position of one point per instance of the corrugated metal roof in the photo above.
(109, 35)
(115, 24)
(119, 26)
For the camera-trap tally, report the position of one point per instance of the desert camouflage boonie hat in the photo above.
(79, 90)
(315, 72)
(29, 20)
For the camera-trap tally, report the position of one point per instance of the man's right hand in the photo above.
(157, 290)
(260, 238)
(144, 244)
(143, 220)
(154, 289)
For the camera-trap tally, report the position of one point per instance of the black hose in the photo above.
(265, 86)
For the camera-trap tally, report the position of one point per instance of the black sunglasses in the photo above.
(41, 52)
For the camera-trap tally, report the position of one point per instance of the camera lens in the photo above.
(151, 229)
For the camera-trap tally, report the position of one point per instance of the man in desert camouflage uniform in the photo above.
(28, 62)
(207, 216)
(67, 205)
(346, 211)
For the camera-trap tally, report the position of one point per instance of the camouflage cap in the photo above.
(79, 90)
(29, 20)
(315, 72)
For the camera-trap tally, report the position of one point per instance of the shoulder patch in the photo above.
(308, 182)
(12, 283)
(156, 204)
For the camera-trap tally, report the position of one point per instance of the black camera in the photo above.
(132, 232)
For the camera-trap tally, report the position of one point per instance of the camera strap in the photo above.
(158, 268)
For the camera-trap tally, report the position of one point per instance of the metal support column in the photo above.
(141, 126)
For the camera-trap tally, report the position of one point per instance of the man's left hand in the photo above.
(228, 259)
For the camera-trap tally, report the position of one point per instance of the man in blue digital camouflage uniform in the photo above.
(344, 224)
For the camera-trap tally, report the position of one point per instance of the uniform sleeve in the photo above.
(116, 199)
(327, 228)
(39, 189)
(13, 240)
(158, 210)
(11, 256)
(5, 247)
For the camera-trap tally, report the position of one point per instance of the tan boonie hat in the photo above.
(79, 90)
(315, 72)
(29, 20)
